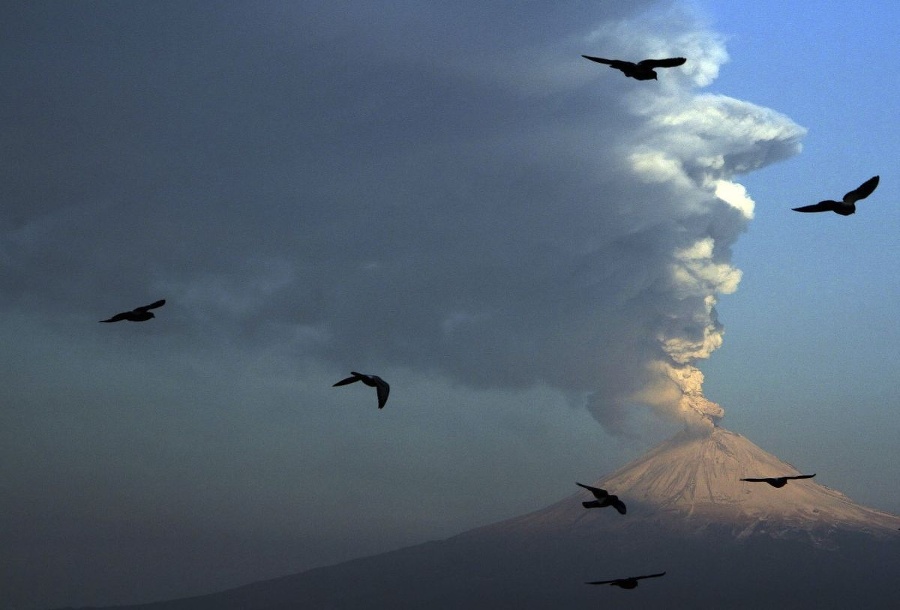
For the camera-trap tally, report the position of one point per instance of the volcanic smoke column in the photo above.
(687, 152)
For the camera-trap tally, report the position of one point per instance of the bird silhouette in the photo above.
(373, 381)
(846, 206)
(779, 482)
(604, 499)
(138, 314)
(642, 70)
(626, 583)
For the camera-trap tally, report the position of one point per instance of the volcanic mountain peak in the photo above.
(693, 482)
(701, 475)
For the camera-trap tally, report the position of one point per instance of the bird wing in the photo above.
(618, 504)
(822, 206)
(153, 305)
(601, 60)
(757, 480)
(862, 191)
(649, 576)
(598, 493)
(802, 476)
(602, 582)
(383, 389)
(671, 62)
(352, 379)
(118, 317)
(619, 64)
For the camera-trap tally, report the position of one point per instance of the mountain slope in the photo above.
(722, 542)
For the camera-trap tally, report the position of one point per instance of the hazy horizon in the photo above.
(720, 542)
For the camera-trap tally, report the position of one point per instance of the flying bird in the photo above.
(846, 206)
(604, 499)
(779, 482)
(138, 314)
(642, 70)
(626, 583)
(373, 381)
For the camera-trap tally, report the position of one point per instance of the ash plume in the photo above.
(578, 240)
(488, 209)
(689, 146)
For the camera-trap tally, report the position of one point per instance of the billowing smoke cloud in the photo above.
(690, 146)
(473, 202)
(578, 237)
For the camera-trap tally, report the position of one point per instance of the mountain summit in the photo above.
(692, 482)
(722, 543)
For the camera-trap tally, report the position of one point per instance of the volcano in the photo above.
(723, 543)
(693, 483)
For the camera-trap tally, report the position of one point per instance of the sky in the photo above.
(555, 267)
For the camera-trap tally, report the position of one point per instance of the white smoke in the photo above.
(575, 234)
(692, 145)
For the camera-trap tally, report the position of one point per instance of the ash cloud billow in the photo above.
(477, 203)
(686, 150)
(580, 238)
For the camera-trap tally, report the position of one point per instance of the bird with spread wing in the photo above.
(138, 314)
(847, 205)
(604, 499)
(626, 583)
(373, 381)
(642, 70)
(779, 482)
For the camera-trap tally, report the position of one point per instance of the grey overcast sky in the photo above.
(537, 253)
